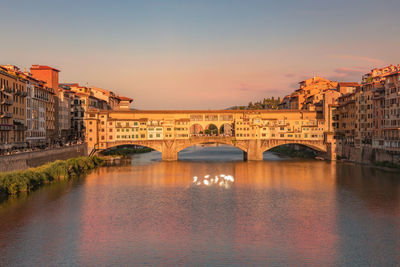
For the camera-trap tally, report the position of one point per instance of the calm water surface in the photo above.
(279, 212)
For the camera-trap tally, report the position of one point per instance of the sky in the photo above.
(205, 54)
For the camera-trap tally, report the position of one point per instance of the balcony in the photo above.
(5, 89)
(19, 127)
(7, 102)
(6, 127)
(21, 93)
(6, 115)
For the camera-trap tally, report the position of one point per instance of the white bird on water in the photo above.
(205, 182)
(194, 179)
(207, 176)
(230, 178)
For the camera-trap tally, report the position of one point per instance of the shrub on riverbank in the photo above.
(12, 183)
(125, 151)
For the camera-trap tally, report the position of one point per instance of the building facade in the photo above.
(36, 102)
(14, 107)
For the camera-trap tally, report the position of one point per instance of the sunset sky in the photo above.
(201, 54)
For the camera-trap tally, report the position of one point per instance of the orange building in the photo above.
(50, 76)
(309, 93)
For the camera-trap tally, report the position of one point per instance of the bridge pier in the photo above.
(169, 151)
(254, 151)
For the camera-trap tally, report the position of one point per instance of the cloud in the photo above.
(370, 60)
(290, 75)
(348, 74)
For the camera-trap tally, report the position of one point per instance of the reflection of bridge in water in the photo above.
(169, 132)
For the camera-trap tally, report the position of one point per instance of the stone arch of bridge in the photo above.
(240, 146)
(156, 145)
(316, 147)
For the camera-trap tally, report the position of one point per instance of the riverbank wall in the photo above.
(367, 155)
(23, 161)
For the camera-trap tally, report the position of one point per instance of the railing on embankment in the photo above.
(27, 160)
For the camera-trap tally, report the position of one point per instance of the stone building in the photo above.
(345, 118)
(391, 114)
(50, 76)
(309, 93)
(13, 107)
(6, 110)
(36, 102)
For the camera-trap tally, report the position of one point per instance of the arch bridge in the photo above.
(169, 132)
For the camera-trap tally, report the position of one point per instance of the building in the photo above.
(347, 87)
(124, 103)
(64, 113)
(309, 93)
(50, 76)
(109, 99)
(371, 108)
(13, 108)
(36, 102)
(345, 117)
(6, 110)
(391, 114)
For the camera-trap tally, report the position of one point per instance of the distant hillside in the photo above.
(266, 103)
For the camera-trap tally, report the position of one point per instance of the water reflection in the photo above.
(279, 212)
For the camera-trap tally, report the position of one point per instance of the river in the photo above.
(278, 212)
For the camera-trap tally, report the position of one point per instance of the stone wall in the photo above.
(367, 154)
(27, 160)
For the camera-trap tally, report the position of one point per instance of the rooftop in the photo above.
(43, 67)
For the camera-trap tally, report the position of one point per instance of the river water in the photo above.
(279, 212)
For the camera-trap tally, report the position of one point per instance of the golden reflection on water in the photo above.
(273, 212)
(300, 223)
(296, 175)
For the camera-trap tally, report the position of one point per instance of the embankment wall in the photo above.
(367, 154)
(27, 160)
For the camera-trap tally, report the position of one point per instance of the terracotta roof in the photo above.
(43, 67)
(70, 84)
(252, 111)
(123, 98)
(349, 84)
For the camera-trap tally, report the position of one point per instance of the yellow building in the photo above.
(105, 129)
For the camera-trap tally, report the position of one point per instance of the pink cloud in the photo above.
(347, 74)
(370, 60)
